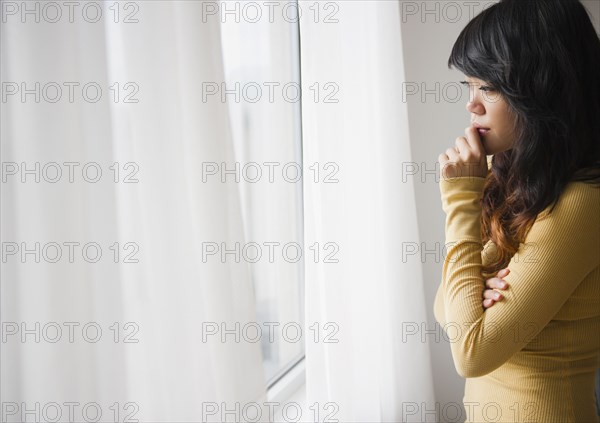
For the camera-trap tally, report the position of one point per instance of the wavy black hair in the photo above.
(543, 58)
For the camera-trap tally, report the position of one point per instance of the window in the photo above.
(262, 90)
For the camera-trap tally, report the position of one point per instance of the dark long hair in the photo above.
(543, 58)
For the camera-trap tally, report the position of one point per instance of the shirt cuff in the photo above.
(461, 201)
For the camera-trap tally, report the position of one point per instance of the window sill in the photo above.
(289, 394)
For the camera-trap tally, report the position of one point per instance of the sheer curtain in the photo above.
(149, 213)
(372, 296)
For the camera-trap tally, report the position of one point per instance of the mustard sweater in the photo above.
(533, 356)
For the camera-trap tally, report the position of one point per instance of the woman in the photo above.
(530, 215)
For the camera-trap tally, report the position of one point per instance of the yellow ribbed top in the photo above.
(532, 356)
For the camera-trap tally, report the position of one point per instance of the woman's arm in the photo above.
(489, 295)
(565, 242)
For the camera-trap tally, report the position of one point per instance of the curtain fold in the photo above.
(158, 212)
(373, 297)
(150, 213)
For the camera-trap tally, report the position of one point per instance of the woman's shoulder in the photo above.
(573, 225)
(578, 198)
(581, 188)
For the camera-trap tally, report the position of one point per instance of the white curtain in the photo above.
(373, 296)
(369, 301)
(162, 300)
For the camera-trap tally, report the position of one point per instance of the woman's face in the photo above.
(491, 112)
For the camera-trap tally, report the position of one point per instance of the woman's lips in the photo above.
(482, 131)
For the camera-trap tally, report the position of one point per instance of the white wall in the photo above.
(434, 125)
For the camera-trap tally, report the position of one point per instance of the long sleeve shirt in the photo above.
(535, 353)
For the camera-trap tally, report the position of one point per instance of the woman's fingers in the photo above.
(492, 294)
(503, 272)
(488, 303)
(496, 283)
(490, 297)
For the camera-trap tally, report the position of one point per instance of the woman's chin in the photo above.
(486, 148)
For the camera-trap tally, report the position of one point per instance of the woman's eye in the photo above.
(482, 88)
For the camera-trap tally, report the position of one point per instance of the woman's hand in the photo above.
(490, 296)
(466, 158)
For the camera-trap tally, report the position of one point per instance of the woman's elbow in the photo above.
(469, 366)
(470, 371)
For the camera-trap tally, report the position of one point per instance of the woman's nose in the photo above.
(475, 107)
